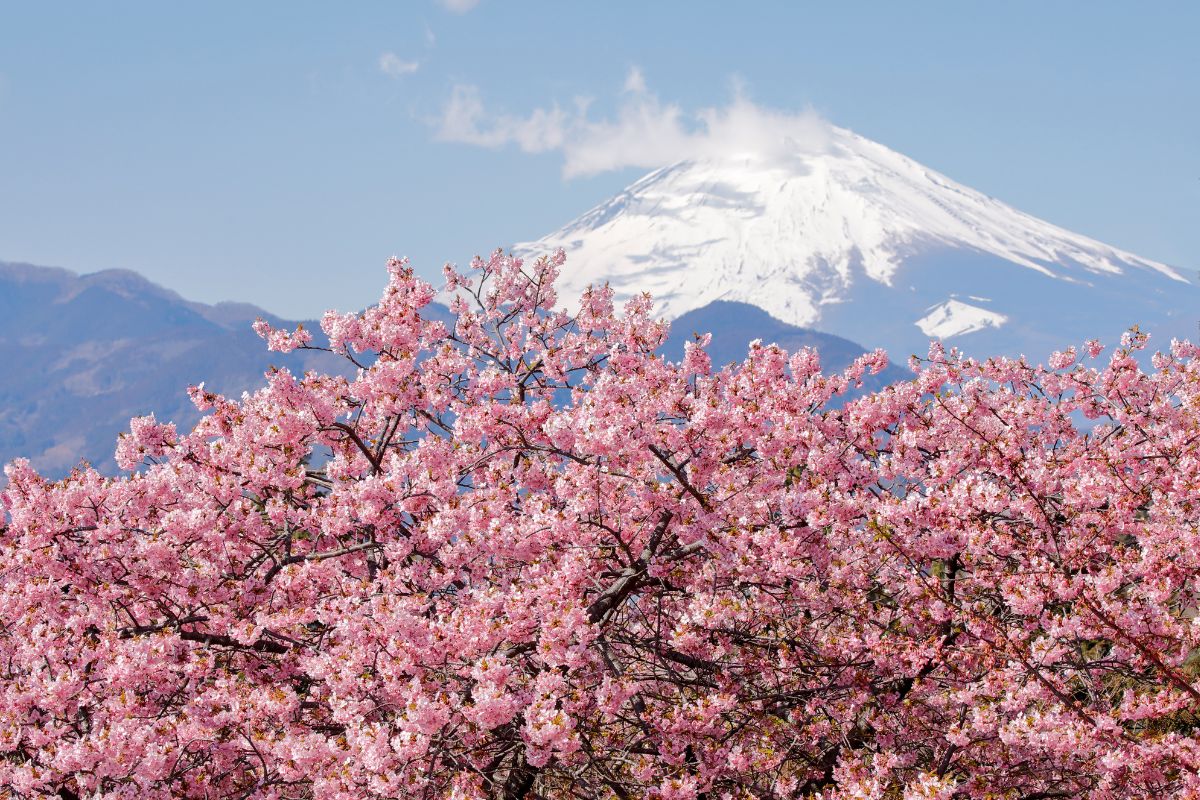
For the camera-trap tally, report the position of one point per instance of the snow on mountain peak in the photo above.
(823, 238)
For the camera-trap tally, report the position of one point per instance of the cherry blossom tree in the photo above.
(541, 561)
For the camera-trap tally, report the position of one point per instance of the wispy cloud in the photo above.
(395, 66)
(464, 120)
(635, 81)
(645, 132)
(458, 6)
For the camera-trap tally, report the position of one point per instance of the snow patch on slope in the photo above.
(954, 318)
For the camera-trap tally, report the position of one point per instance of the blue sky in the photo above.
(280, 152)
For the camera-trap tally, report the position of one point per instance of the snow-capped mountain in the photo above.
(862, 242)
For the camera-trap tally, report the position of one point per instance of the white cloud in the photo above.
(645, 131)
(464, 120)
(459, 6)
(395, 66)
(635, 81)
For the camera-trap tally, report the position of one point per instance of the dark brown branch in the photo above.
(220, 640)
(520, 778)
(354, 437)
(681, 476)
(142, 630)
(631, 577)
(296, 559)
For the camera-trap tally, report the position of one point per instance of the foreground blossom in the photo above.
(527, 557)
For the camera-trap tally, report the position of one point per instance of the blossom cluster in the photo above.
(526, 556)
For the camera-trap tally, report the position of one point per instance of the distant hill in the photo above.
(84, 353)
(735, 325)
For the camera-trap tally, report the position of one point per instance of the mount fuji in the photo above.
(859, 241)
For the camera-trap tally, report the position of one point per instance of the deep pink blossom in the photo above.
(542, 561)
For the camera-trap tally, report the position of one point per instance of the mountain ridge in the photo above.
(846, 248)
(816, 238)
(85, 352)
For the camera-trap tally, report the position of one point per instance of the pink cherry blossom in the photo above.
(523, 555)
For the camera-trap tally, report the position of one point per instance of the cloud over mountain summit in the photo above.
(644, 132)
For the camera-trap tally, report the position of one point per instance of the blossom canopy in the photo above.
(524, 556)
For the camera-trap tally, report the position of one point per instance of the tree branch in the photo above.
(631, 577)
